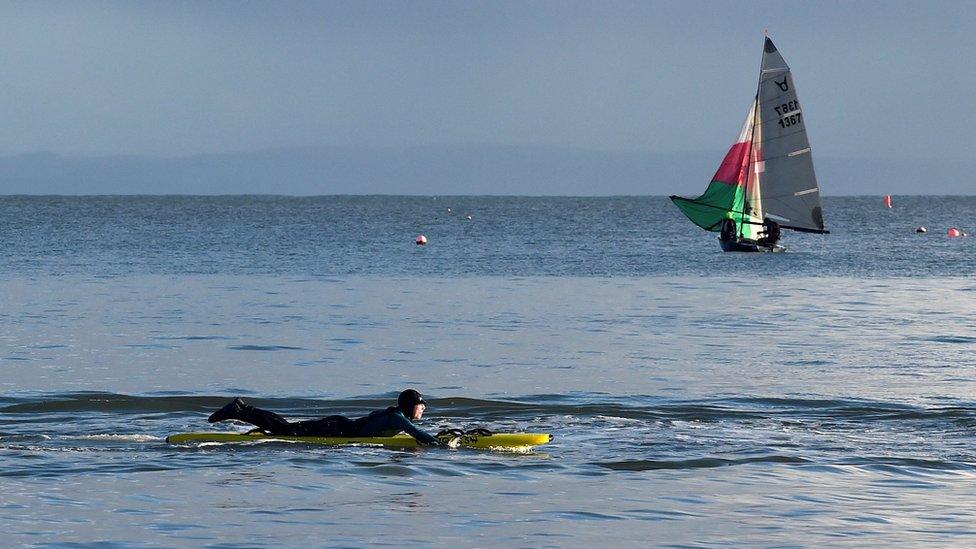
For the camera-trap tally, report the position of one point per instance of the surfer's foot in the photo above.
(230, 411)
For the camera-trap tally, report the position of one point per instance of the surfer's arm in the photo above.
(407, 426)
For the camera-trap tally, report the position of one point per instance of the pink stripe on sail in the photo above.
(732, 171)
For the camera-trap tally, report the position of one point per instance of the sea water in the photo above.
(821, 396)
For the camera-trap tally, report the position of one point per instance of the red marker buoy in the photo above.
(421, 240)
(888, 200)
(954, 232)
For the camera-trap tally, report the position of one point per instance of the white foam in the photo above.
(120, 438)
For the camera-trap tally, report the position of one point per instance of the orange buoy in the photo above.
(954, 232)
(888, 200)
(421, 240)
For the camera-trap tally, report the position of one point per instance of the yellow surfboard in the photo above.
(501, 441)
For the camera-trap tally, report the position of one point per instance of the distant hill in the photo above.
(445, 170)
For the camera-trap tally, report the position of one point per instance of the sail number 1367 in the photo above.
(784, 111)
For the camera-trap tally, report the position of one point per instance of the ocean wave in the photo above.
(904, 467)
(697, 463)
(629, 409)
(118, 437)
(952, 339)
(265, 348)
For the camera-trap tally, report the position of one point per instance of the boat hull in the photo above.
(743, 245)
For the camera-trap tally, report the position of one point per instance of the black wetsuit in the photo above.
(728, 231)
(381, 423)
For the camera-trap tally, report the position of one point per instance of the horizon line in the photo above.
(433, 196)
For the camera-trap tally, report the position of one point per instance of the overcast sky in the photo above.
(877, 79)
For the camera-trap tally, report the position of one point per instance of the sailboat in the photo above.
(766, 181)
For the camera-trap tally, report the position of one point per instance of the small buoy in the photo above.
(954, 232)
(448, 210)
(921, 230)
(469, 217)
(421, 240)
(888, 200)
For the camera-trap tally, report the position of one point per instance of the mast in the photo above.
(750, 167)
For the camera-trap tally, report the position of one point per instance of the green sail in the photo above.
(732, 191)
(719, 202)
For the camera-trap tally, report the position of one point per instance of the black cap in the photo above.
(408, 399)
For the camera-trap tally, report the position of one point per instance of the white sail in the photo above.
(784, 186)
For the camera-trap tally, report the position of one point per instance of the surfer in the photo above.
(381, 423)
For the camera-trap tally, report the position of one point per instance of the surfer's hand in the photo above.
(449, 437)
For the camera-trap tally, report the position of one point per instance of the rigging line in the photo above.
(793, 228)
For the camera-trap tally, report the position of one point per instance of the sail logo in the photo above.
(783, 86)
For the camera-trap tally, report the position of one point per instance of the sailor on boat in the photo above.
(727, 232)
(770, 234)
(766, 239)
(381, 423)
